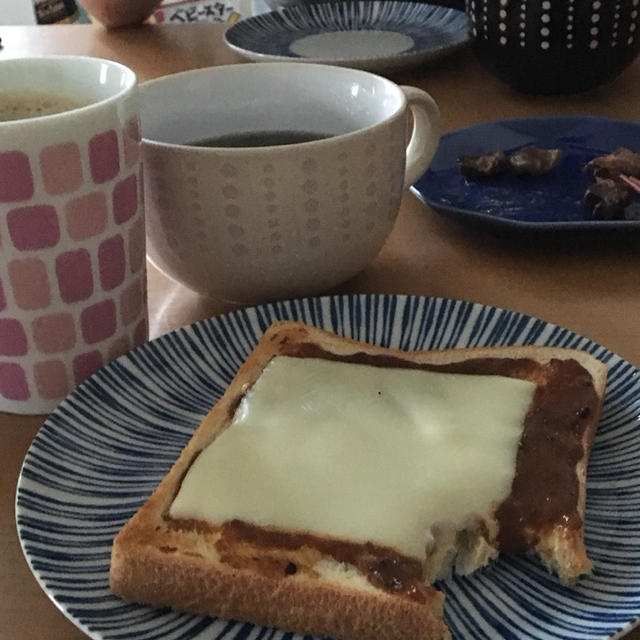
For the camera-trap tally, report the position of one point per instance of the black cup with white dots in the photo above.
(555, 46)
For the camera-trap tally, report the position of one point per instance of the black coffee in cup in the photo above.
(259, 139)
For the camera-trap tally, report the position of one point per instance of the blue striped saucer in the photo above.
(105, 448)
(375, 35)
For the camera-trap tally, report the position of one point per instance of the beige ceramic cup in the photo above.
(72, 240)
(260, 223)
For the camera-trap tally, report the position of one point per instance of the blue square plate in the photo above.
(512, 203)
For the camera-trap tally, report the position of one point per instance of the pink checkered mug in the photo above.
(72, 236)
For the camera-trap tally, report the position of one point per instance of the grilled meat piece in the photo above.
(533, 161)
(478, 167)
(607, 199)
(622, 160)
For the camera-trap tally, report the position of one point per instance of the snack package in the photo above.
(59, 12)
(187, 11)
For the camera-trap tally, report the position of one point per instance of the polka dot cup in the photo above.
(257, 223)
(72, 237)
(555, 46)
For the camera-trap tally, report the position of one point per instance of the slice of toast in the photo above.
(361, 589)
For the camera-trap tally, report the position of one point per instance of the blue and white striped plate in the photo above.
(103, 451)
(375, 35)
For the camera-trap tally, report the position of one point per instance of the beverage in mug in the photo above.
(29, 103)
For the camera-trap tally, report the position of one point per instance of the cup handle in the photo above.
(425, 135)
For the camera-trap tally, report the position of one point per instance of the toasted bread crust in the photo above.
(300, 603)
(157, 564)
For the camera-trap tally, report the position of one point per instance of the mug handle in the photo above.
(425, 134)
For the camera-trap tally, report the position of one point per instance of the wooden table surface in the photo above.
(591, 287)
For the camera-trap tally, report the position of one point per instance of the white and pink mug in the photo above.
(72, 234)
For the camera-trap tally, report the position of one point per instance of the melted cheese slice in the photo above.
(361, 453)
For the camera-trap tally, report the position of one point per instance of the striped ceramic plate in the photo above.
(102, 452)
(376, 35)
